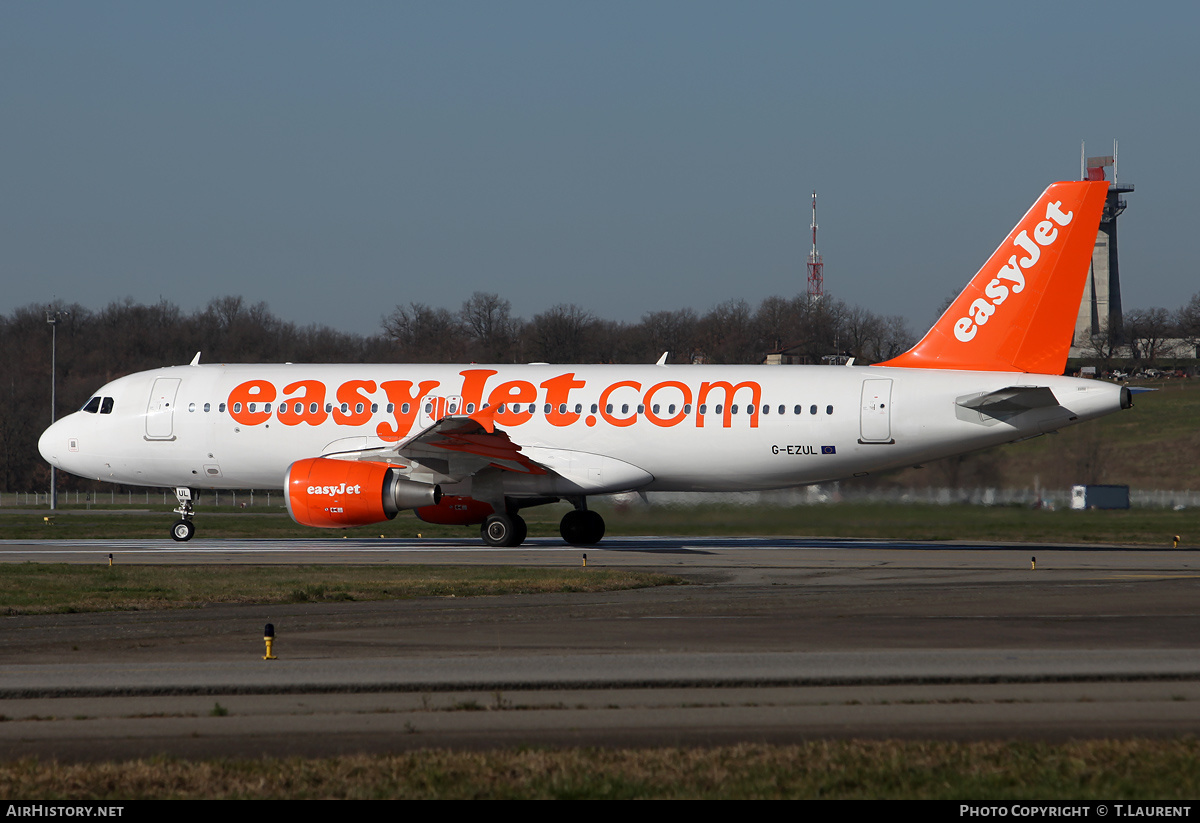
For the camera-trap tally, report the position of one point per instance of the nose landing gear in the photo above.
(184, 529)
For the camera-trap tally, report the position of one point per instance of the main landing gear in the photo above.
(504, 530)
(184, 529)
(580, 527)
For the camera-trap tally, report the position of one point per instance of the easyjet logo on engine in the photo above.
(1011, 277)
(558, 400)
(333, 490)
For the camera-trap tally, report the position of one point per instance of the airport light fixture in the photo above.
(53, 317)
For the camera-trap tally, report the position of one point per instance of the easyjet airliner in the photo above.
(352, 445)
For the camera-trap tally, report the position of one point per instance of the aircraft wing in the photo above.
(451, 449)
(457, 447)
(463, 445)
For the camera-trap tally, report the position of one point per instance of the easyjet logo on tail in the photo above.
(1010, 279)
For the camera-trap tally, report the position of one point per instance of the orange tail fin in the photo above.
(1018, 313)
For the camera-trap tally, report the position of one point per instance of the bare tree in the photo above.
(491, 329)
(1147, 330)
(561, 335)
(425, 335)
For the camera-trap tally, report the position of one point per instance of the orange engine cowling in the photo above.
(456, 511)
(334, 494)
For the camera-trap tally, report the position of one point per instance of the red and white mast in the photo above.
(816, 269)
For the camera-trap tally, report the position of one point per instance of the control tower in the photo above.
(1100, 311)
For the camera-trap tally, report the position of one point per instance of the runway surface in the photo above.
(773, 640)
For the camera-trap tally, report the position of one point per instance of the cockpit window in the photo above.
(106, 405)
(92, 406)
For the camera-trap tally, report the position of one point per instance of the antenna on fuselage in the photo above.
(195, 360)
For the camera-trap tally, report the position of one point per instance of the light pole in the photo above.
(53, 317)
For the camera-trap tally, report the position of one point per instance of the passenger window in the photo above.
(829, 409)
(796, 410)
(812, 409)
(207, 408)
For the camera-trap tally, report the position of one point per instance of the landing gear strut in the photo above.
(184, 529)
(503, 530)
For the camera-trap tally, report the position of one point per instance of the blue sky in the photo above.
(335, 160)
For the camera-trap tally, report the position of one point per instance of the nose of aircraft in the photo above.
(50, 443)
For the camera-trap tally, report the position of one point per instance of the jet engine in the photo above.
(335, 494)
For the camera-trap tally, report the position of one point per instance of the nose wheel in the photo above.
(184, 529)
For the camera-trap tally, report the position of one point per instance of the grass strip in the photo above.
(852, 769)
(1138, 527)
(58, 588)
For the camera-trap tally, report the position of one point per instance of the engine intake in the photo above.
(334, 494)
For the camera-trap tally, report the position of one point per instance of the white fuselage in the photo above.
(599, 428)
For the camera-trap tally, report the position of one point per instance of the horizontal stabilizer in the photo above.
(1013, 400)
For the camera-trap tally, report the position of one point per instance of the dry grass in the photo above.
(44, 588)
(1103, 769)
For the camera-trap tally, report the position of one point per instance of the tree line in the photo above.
(1148, 337)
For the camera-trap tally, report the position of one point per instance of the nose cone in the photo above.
(52, 443)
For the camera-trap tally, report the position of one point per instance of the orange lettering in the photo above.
(252, 391)
(730, 391)
(617, 421)
(350, 395)
(472, 390)
(515, 391)
(314, 393)
(558, 391)
(649, 403)
(404, 404)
